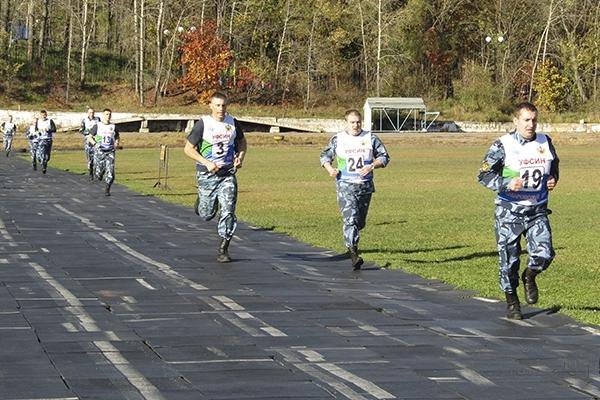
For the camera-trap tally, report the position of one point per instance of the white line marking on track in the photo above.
(273, 331)
(45, 250)
(486, 300)
(474, 377)
(145, 284)
(584, 386)
(111, 353)
(164, 268)
(229, 303)
(364, 384)
(312, 356)
(229, 360)
(146, 388)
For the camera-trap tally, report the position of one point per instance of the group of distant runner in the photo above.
(521, 167)
(100, 138)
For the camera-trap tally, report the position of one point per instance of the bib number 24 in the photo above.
(355, 164)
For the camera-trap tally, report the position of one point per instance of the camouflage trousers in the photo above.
(33, 152)
(533, 224)
(8, 139)
(218, 192)
(43, 151)
(88, 149)
(353, 200)
(104, 165)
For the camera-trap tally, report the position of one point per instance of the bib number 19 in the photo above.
(532, 178)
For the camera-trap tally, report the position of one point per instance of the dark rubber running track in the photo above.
(120, 298)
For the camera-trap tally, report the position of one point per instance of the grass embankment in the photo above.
(429, 215)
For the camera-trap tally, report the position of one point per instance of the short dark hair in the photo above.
(219, 95)
(107, 109)
(524, 106)
(352, 111)
(43, 112)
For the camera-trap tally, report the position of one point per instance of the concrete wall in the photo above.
(71, 119)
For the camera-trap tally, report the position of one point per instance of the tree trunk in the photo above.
(69, 49)
(364, 45)
(30, 31)
(7, 16)
(43, 32)
(202, 15)
(142, 48)
(231, 23)
(309, 61)
(159, 40)
(136, 27)
(537, 54)
(84, 44)
(110, 25)
(282, 41)
(379, 32)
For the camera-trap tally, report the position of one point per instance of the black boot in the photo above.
(34, 166)
(531, 289)
(513, 307)
(91, 172)
(107, 190)
(223, 256)
(356, 260)
(44, 167)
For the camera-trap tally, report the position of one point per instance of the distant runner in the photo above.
(33, 138)
(8, 129)
(104, 136)
(46, 128)
(86, 125)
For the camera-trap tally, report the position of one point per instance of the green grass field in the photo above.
(429, 215)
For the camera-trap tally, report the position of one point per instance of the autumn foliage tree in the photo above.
(205, 58)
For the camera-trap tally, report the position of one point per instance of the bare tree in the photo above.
(84, 42)
(286, 20)
(30, 30)
(379, 34)
(159, 41)
(69, 49)
(141, 51)
(364, 45)
(309, 60)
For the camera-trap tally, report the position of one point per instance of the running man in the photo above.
(104, 136)
(87, 124)
(218, 146)
(46, 128)
(33, 138)
(357, 154)
(8, 129)
(522, 168)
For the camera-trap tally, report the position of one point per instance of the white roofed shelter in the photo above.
(395, 114)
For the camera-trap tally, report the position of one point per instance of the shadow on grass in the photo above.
(411, 251)
(390, 223)
(472, 256)
(167, 194)
(263, 229)
(548, 311)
